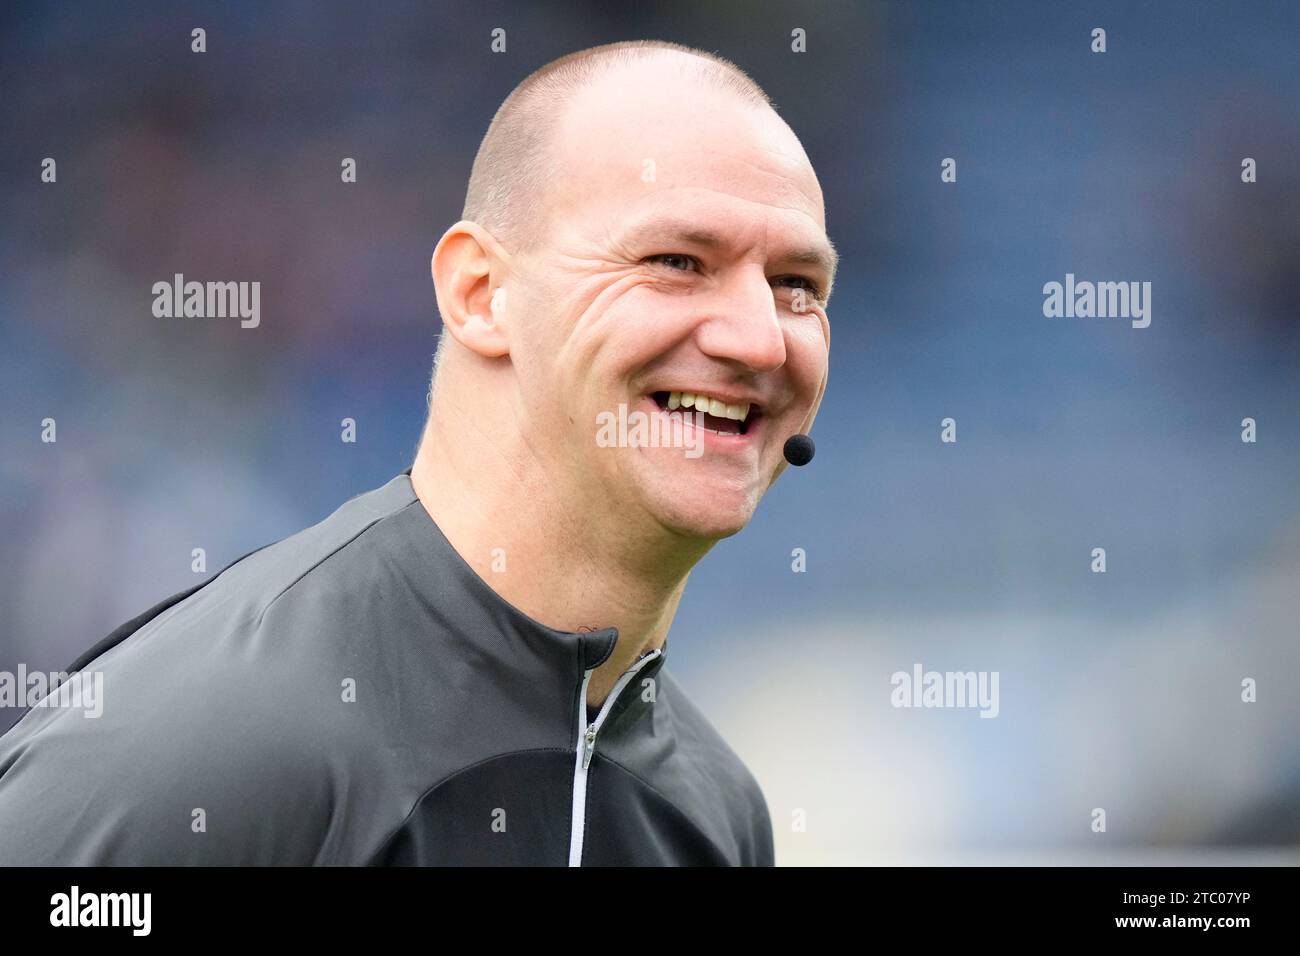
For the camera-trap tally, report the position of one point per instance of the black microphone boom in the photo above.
(799, 450)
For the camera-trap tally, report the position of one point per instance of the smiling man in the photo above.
(467, 664)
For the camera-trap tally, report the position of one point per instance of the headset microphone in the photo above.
(799, 450)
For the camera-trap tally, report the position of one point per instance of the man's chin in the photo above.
(702, 519)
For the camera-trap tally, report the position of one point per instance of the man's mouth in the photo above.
(718, 415)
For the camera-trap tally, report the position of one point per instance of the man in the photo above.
(467, 664)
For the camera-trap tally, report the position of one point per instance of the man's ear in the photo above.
(467, 267)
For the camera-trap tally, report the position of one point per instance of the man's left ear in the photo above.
(465, 263)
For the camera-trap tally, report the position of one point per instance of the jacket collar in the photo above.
(495, 631)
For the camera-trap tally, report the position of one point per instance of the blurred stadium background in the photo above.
(1119, 691)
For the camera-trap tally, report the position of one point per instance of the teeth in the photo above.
(704, 403)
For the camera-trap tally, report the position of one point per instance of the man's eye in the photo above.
(813, 290)
(674, 260)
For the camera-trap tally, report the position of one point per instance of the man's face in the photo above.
(679, 234)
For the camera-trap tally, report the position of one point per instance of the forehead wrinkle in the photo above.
(782, 185)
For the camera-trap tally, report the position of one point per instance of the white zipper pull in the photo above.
(591, 745)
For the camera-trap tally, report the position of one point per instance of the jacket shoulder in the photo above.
(222, 737)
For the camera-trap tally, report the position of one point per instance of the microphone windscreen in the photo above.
(799, 450)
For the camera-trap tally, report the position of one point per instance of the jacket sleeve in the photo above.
(189, 762)
(762, 851)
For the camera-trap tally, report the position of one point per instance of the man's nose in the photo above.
(743, 324)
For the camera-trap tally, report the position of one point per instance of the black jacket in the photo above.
(357, 694)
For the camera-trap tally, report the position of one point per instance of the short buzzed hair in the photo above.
(514, 161)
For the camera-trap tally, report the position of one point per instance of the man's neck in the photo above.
(535, 548)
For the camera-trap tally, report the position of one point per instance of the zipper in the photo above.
(587, 748)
